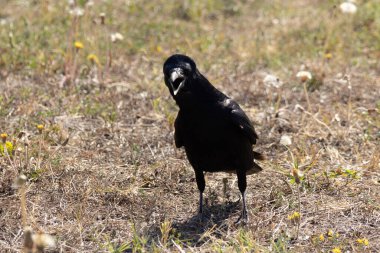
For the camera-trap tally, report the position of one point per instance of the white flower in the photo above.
(286, 140)
(78, 12)
(3, 22)
(90, 3)
(348, 7)
(271, 80)
(44, 241)
(275, 21)
(304, 75)
(116, 37)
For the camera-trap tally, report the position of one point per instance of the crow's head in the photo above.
(178, 69)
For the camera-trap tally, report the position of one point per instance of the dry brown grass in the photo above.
(119, 181)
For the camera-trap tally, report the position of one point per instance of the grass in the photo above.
(103, 174)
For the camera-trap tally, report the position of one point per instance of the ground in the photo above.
(89, 122)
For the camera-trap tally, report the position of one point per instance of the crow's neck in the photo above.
(201, 95)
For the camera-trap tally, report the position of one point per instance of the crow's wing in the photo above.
(241, 120)
(177, 131)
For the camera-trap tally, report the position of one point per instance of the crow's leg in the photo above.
(242, 183)
(201, 187)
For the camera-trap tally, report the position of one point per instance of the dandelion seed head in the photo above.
(77, 12)
(272, 80)
(116, 37)
(286, 140)
(304, 75)
(348, 7)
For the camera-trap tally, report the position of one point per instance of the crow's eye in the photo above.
(177, 82)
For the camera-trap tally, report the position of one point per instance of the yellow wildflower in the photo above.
(363, 241)
(93, 58)
(159, 49)
(295, 216)
(78, 45)
(336, 250)
(328, 56)
(7, 147)
(330, 233)
(321, 237)
(40, 128)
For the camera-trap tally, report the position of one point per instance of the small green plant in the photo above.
(166, 229)
(245, 241)
(138, 242)
(345, 173)
(112, 248)
(156, 104)
(280, 244)
(35, 174)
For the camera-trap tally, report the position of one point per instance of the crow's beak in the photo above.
(177, 80)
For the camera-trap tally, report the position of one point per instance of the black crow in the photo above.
(215, 132)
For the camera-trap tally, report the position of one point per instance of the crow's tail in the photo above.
(258, 156)
(255, 169)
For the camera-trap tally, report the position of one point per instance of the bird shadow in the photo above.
(217, 219)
